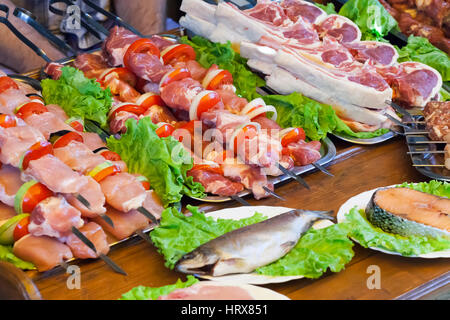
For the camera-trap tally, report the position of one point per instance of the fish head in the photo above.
(200, 261)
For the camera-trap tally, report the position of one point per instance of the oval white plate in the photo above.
(245, 212)
(361, 200)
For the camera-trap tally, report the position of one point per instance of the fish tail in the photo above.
(328, 215)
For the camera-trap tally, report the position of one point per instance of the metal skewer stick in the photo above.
(425, 152)
(102, 256)
(427, 142)
(410, 133)
(318, 166)
(429, 165)
(292, 175)
(273, 194)
(148, 215)
(240, 200)
(144, 236)
(113, 17)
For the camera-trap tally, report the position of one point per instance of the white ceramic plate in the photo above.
(245, 212)
(361, 200)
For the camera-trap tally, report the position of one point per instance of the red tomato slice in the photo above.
(151, 101)
(7, 121)
(7, 83)
(294, 135)
(66, 139)
(142, 45)
(180, 52)
(132, 108)
(123, 74)
(207, 102)
(36, 151)
(165, 130)
(110, 155)
(175, 75)
(222, 78)
(21, 229)
(35, 194)
(77, 125)
(27, 109)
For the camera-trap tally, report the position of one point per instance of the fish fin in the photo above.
(287, 246)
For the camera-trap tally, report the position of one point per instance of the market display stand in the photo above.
(356, 168)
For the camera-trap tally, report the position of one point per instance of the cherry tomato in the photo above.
(129, 107)
(248, 132)
(104, 170)
(151, 101)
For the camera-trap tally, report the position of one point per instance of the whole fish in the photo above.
(245, 249)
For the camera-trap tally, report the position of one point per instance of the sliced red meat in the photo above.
(117, 123)
(160, 114)
(296, 8)
(304, 152)
(148, 66)
(116, 44)
(54, 70)
(91, 64)
(215, 183)
(179, 94)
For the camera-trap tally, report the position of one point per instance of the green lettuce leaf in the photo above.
(148, 293)
(328, 8)
(445, 95)
(316, 251)
(163, 161)
(296, 110)
(78, 96)
(370, 16)
(6, 254)
(223, 55)
(370, 236)
(421, 50)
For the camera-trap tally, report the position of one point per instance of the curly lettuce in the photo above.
(164, 161)
(296, 110)
(6, 254)
(78, 96)
(149, 293)
(223, 55)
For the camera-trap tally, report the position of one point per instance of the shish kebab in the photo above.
(7, 97)
(93, 66)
